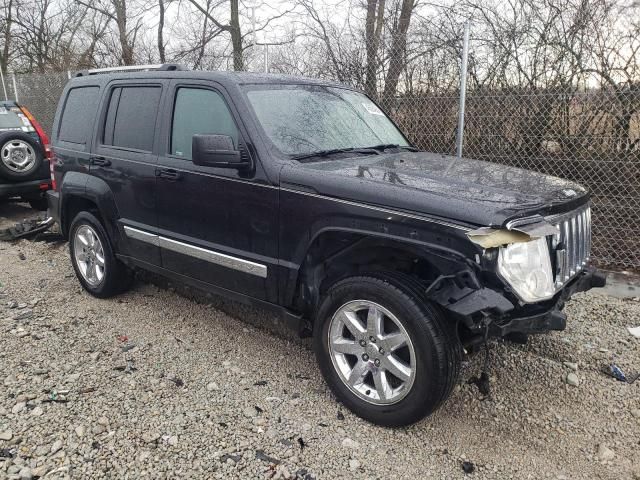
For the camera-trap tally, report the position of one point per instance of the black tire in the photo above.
(5, 139)
(117, 277)
(437, 348)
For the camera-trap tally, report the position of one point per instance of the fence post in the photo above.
(463, 90)
(68, 74)
(15, 86)
(266, 57)
(4, 87)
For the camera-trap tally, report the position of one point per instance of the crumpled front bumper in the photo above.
(552, 318)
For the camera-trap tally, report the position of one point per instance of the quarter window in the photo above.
(78, 114)
(199, 111)
(131, 117)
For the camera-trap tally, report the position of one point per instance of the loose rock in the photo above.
(572, 379)
(56, 447)
(25, 473)
(150, 437)
(605, 453)
(348, 443)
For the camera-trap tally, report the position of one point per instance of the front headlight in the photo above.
(526, 266)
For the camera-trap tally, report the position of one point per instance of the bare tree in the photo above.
(233, 28)
(373, 31)
(118, 12)
(6, 24)
(397, 55)
(161, 47)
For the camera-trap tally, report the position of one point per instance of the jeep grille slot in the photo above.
(572, 246)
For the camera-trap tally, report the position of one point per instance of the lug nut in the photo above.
(376, 362)
(365, 357)
(372, 339)
(363, 343)
(381, 351)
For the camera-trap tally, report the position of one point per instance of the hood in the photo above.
(469, 191)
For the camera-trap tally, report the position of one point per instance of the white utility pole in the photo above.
(463, 90)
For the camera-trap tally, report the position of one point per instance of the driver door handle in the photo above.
(168, 174)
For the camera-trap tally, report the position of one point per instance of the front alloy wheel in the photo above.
(386, 352)
(372, 352)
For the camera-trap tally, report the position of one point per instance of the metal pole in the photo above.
(69, 74)
(4, 87)
(15, 87)
(463, 90)
(266, 58)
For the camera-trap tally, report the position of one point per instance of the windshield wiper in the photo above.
(384, 146)
(333, 151)
(374, 150)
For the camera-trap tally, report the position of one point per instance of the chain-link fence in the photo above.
(591, 137)
(38, 92)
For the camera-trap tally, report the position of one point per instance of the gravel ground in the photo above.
(156, 384)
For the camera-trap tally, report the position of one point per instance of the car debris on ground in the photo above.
(27, 228)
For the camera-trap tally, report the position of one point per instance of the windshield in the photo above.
(301, 119)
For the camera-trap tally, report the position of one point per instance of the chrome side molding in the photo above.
(207, 255)
(141, 235)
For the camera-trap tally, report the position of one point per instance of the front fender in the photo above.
(307, 218)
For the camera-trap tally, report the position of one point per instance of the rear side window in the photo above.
(131, 117)
(78, 114)
(198, 110)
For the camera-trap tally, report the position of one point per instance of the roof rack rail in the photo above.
(166, 67)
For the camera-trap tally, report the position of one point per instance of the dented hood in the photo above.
(470, 191)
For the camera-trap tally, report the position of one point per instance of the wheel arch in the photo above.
(337, 253)
(82, 192)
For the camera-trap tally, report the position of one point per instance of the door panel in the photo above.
(215, 225)
(124, 157)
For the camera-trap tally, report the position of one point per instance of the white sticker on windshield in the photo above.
(3, 111)
(372, 108)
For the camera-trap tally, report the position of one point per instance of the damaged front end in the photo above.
(527, 271)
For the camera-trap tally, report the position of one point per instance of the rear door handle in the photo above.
(99, 161)
(168, 174)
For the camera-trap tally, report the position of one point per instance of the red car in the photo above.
(24, 156)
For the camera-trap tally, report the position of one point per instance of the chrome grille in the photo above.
(572, 246)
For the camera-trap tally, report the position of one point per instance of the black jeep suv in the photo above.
(302, 196)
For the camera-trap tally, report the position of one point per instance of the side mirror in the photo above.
(216, 151)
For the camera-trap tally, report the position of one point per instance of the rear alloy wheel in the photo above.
(89, 255)
(386, 352)
(99, 271)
